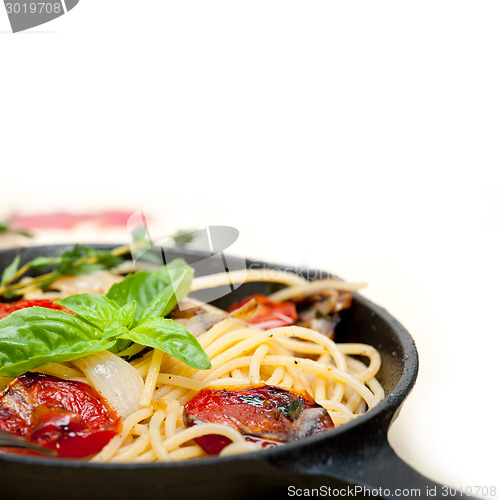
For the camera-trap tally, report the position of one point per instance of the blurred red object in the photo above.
(65, 220)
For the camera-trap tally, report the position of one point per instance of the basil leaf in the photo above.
(171, 337)
(145, 286)
(123, 321)
(120, 345)
(117, 332)
(141, 287)
(10, 271)
(126, 314)
(164, 302)
(32, 337)
(96, 309)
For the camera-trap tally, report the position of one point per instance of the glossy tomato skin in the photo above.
(266, 415)
(269, 314)
(7, 309)
(67, 416)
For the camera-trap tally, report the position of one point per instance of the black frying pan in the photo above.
(343, 462)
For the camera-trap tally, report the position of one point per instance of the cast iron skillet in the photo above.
(355, 456)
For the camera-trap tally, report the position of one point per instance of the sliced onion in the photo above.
(97, 282)
(201, 323)
(115, 379)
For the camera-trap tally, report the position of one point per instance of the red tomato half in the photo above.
(67, 416)
(269, 314)
(7, 309)
(266, 414)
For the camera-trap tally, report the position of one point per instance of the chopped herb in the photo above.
(5, 228)
(320, 315)
(293, 409)
(85, 260)
(184, 236)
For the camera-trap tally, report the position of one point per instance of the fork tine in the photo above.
(8, 440)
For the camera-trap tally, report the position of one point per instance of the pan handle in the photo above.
(376, 466)
(363, 461)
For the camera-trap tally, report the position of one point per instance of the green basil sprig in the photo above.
(79, 260)
(132, 311)
(75, 261)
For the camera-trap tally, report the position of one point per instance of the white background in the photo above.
(358, 137)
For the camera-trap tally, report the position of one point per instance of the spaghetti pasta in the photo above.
(338, 377)
(241, 356)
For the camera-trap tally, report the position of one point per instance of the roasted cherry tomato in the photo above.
(269, 314)
(266, 414)
(7, 309)
(67, 416)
